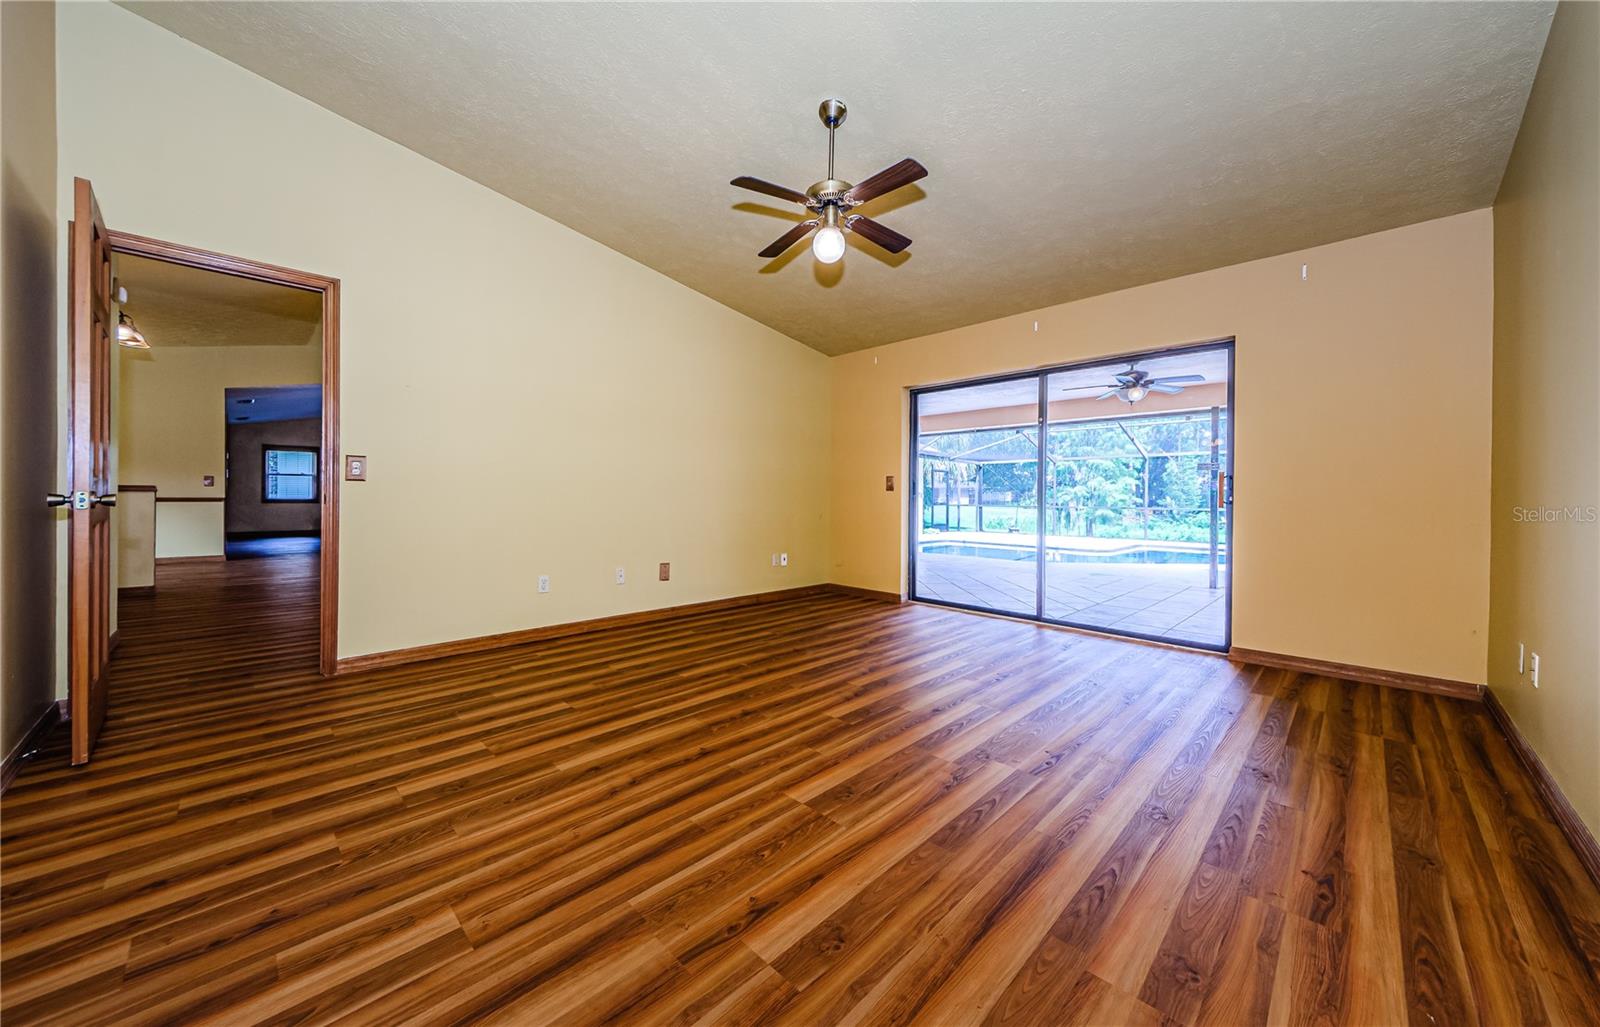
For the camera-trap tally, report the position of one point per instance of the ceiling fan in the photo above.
(1133, 385)
(831, 199)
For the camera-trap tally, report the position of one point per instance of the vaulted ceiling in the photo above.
(1073, 149)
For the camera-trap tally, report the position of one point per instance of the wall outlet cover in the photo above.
(666, 572)
(544, 583)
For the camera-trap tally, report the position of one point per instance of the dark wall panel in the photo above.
(244, 511)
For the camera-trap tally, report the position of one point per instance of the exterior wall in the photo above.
(1361, 446)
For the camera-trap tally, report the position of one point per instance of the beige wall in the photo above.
(1545, 567)
(135, 520)
(28, 301)
(532, 402)
(1362, 449)
(172, 427)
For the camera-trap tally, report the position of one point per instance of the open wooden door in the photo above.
(88, 449)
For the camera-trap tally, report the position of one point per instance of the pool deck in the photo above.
(1171, 601)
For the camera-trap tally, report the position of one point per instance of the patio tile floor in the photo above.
(1170, 601)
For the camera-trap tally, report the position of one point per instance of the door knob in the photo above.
(110, 499)
(55, 499)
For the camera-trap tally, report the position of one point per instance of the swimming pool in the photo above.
(1140, 554)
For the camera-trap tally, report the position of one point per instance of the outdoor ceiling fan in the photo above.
(1133, 385)
(831, 199)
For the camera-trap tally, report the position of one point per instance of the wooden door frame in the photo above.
(207, 260)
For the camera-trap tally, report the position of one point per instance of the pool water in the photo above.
(1142, 554)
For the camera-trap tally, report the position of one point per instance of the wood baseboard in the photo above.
(162, 561)
(1371, 675)
(48, 717)
(481, 643)
(1566, 818)
(865, 593)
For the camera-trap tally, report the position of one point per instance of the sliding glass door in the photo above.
(977, 479)
(1093, 495)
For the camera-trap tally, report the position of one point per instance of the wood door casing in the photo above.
(89, 425)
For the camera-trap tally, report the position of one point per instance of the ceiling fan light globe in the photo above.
(1136, 393)
(828, 244)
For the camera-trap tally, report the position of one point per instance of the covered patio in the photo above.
(1133, 540)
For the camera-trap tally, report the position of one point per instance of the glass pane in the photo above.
(1130, 500)
(291, 475)
(291, 487)
(291, 461)
(978, 496)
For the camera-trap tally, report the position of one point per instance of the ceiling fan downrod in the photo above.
(832, 113)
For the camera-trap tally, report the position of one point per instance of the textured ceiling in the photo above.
(1073, 149)
(184, 306)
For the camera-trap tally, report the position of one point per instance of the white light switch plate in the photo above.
(1535, 668)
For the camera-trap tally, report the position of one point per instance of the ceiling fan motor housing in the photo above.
(829, 191)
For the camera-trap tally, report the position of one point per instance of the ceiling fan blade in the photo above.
(789, 238)
(887, 180)
(1176, 379)
(780, 191)
(1171, 390)
(873, 232)
(1108, 394)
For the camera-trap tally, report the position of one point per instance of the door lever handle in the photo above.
(56, 499)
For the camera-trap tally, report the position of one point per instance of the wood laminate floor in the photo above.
(819, 811)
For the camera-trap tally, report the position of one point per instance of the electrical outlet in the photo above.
(666, 572)
(1522, 662)
(783, 559)
(544, 583)
(621, 577)
(774, 559)
(1534, 666)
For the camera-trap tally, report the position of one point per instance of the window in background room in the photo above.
(290, 474)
